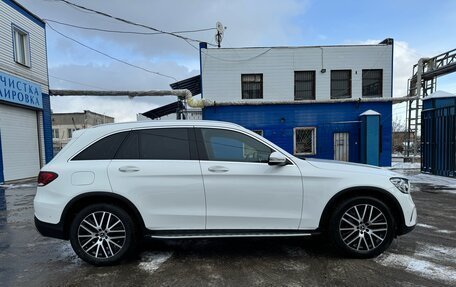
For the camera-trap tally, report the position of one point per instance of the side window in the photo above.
(160, 144)
(103, 149)
(225, 145)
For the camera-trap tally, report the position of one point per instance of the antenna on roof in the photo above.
(219, 36)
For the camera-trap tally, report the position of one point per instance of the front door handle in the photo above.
(128, 169)
(218, 169)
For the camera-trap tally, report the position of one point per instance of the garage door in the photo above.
(19, 134)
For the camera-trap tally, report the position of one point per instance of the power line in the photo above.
(132, 23)
(125, 32)
(75, 82)
(109, 56)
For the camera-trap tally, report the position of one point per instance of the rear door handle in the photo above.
(128, 169)
(218, 169)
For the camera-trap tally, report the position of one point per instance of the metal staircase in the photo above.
(423, 83)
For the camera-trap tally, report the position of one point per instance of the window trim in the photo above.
(314, 140)
(259, 132)
(313, 85)
(350, 86)
(261, 87)
(362, 85)
(28, 55)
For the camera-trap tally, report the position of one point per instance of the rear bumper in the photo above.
(49, 229)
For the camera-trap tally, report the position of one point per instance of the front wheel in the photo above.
(362, 227)
(102, 234)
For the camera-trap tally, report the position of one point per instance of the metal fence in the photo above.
(438, 145)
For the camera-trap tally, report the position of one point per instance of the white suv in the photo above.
(115, 183)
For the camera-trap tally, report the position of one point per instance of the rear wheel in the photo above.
(102, 234)
(362, 227)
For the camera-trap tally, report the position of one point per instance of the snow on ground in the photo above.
(420, 263)
(405, 165)
(434, 179)
(14, 186)
(151, 261)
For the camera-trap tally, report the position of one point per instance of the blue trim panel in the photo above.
(47, 128)
(278, 121)
(2, 177)
(19, 8)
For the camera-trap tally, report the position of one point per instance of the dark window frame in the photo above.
(296, 98)
(378, 95)
(350, 88)
(244, 86)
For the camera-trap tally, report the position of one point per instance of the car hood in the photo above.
(350, 167)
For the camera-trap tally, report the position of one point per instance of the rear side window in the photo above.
(161, 144)
(103, 149)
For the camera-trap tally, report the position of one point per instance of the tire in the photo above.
(362, 227)
(103, 234)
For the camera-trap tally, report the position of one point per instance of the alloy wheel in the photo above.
(101, 234)
(363, 227)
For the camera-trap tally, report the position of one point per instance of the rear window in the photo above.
(161, 144)
(103, 149)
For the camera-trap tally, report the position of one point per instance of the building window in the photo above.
(70, 133)
(21, 43)
(373, 83)
(304, 85)
(305, 141)
(341, 84)
(55, 133)
(260, 132)
(252, 86)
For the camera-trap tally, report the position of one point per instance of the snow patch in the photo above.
(433, 179)
(441, 252)
(14, 186)
(445, 231)
(420, 267)
(405, 165)
(425, 226)
(151, 261)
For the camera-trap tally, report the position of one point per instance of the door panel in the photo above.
(341, 146)
(242, 190)
(157, 169)
(252, 195)
(168, 193)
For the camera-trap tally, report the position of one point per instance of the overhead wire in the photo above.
(124, 32)
(109, 56)
(133, 23)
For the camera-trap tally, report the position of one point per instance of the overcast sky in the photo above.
(420, 29)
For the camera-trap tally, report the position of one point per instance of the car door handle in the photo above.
(218, 168)
(128, 169)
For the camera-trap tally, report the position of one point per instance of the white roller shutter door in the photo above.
(19, 136)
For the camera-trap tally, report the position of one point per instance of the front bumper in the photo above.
(49, 229)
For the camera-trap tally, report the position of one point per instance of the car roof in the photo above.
(160, 123)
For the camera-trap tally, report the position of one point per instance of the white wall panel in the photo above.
(222, 69)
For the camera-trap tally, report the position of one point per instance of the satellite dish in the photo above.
(219, 27)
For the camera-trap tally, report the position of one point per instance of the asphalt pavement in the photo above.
(425, 257)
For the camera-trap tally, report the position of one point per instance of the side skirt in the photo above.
(175, 234)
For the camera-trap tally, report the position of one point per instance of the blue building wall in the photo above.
(278, 121)
(47, 128)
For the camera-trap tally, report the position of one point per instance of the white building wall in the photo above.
(222, 69)
(37, 72)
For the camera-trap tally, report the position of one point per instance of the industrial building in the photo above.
(329, 102)
(25, 112)
(64, 124)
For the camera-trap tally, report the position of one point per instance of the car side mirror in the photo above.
(276, 158)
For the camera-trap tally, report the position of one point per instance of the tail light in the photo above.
(45, 177)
